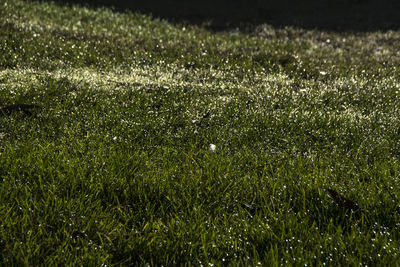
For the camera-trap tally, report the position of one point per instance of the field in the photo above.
(129, 140)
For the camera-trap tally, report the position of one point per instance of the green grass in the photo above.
(116, 167)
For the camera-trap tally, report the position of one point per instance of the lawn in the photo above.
(129, 140)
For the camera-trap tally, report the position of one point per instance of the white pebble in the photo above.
(213, 147)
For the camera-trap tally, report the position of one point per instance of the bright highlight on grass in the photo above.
(108, 124)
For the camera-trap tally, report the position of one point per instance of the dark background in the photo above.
(336, 15)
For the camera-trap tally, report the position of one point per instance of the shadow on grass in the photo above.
(338, 15)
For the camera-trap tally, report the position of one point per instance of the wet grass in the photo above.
(113, 165)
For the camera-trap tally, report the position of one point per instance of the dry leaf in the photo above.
(342, 201)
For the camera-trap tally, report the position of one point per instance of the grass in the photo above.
(115, 168)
